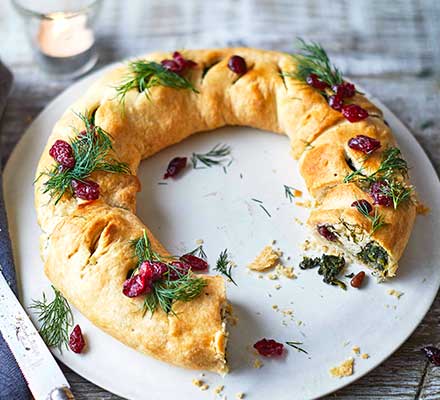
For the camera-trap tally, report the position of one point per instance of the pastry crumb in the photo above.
(422, 209)
(285, 271)
(395, 293)
(277, 287)
(199, 242)
(200, 384)
(272, 277)
(305, 204)
(267, 259)
(275, 307)
(365, 356)
(298, 221)
(240, 396)
(219, 389)
(356, 349)
(257, 363)
(345, 369)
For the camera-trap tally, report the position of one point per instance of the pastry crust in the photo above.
(85, 245)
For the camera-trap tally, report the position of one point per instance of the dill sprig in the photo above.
(56, 319)
(165, 292)
(377, 219)
(218, 155)
(91, 149)
(261, 205)
(313, 59)
(393, 169)
(224, 266)
(289, 192)
(144, 75)
(199, 252)
(295, 345)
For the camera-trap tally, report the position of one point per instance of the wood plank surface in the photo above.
(392, 48)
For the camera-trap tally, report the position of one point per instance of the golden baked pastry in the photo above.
(87, 245)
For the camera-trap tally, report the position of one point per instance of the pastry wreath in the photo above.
(86, 244)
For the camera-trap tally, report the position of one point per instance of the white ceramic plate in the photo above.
(214, 206)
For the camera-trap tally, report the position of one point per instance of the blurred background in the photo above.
(391, 48)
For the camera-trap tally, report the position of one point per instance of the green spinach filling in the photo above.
(374, 255)
(330, 267)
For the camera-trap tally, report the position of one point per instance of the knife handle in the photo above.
(62, 393)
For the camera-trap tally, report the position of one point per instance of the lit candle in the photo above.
(64, 35)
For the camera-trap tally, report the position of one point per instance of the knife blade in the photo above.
(43, 375)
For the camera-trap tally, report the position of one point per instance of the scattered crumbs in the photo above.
(273, 276)
(285, 271)
(345, 369)
(273, 242)
(305, 204)
(306, 245)
(297, 193)
(356, 349)
(278, 286)
(219, 389)
(239, 396)
(267, 259)
(233, 264)
(275, 307)
(287, 312)
(298, 221)
(200, 384)
(365, 356)
(199, 242)
(257, 363)
(422, 209)
(260, 276)
(395, 293)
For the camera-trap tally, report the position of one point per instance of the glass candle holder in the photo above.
(61, 34)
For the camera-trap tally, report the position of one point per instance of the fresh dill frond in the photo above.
(289, 192)
(313, 59)
(218, 155)
(377, 219)
(392, 164)
(56, 319)
(144, 75)
(295, 345)
(397, 190)
(165, 292)
(261, 205)
(199, 252)
(92, 152)
(224, 266)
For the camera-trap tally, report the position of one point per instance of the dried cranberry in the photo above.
(62, 152)
(178, 64)
(327, 233)
(336, 102)
(76, 340)
(237, 64)
(269, 347)
(86, 190)
(179, 269)
(314, 81)
(363, 204)
(196, 263)
(378, 192)
(363, 143)
(153, 270)
(136, 285)
(433, 354)
(344, 89)
(354, 113)
(357, 280)
(175, 166)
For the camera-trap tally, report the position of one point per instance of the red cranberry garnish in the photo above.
(433, 354)
(357, 280)
(179, 269)
(363, 143)
(62, 152)
(86, 190)
(76, 340)
(196, 263)
(175, 166)
(363, 204)
(354, 113)
(327, 233)
(136, 285)
(378, 192)
(237, 64)
(314, 81)
(269, 348)
(178, 64)
(153, 270)
(344, 89)
(336, 102)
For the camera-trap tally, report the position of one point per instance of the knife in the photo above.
(42, 373)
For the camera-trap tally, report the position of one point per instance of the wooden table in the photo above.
(391, 48)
